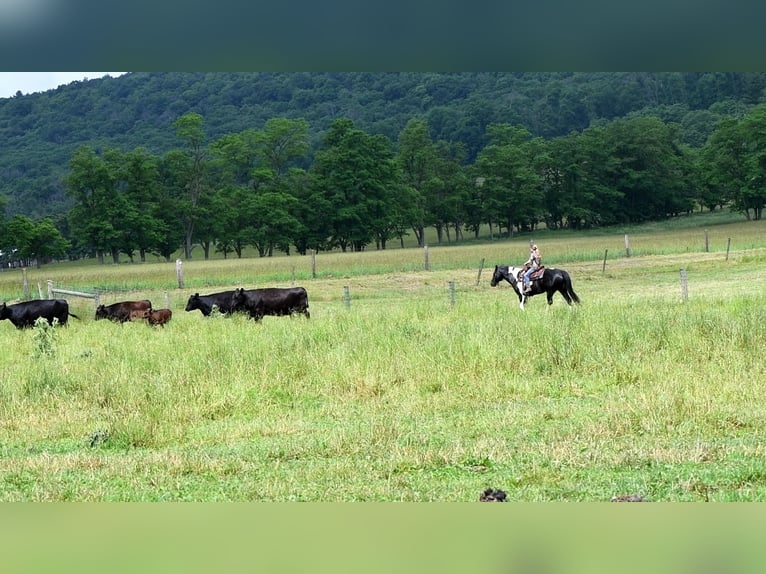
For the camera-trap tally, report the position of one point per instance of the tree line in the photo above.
(40, 132)
(271, 190)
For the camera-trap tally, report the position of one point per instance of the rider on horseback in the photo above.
(533, 264)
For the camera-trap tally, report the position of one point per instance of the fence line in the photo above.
(52, 291)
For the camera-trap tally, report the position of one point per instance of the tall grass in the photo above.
(403, 395)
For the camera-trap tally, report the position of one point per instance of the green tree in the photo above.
(257, 204)
(358, 176)
(139, 183)
(733, 164)
(571, 182)
(753, 197)
(232, 172)
(281, 145)
(47, 242)
(595, 198)
(231, 203)
(17, 239)
(32, 241)
(312, 210)
(651, 168)
(281, 142)
(448, 190)
(234, 156)
(417, 160)
(511, 169)
(170, 215)
(96, 215)
(189, 129)
(271, 222)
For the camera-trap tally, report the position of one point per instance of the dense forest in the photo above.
(150, 162)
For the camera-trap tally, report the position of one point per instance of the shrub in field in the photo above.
(42, 379)
(45, 337)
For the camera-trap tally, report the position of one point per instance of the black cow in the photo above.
(205, 303)
(25, 314)
(123, 311)
(271, 301)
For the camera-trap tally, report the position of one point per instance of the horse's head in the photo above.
(497, 276)
(503, 273)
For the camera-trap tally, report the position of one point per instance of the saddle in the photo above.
(535, 276)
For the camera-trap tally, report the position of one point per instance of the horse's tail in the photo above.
(568, 287)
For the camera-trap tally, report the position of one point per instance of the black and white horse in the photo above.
(551, 281)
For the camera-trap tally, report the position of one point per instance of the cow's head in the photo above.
(238, 298)
(193, 302)
(4, 312)
(101, 312)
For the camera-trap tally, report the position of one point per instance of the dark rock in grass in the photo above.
(492, 495)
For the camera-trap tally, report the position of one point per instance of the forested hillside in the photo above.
(154, 162)
(40, 132)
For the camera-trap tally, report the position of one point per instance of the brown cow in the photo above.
(124, 311)
(158, 316)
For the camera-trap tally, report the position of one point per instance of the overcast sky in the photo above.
(30, 82)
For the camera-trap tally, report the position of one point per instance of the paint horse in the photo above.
(547, 280)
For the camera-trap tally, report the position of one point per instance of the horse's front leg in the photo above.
(550, 298)
(518, 292)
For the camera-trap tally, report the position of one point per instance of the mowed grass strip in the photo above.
(404, 394)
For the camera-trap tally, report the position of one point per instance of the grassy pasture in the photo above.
(403, 396)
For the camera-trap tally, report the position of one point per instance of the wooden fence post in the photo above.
(707, 245)
(481, 266)
(627, 246)
(684, 286)
(313, 264)
(603, 266)
(452, 293)
(728, 244)
(346, 297)
(180, 273)
(425, 255)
